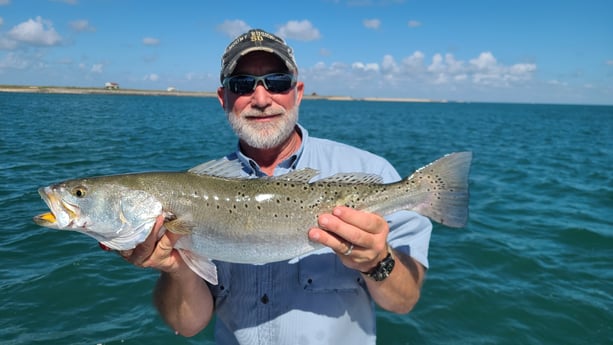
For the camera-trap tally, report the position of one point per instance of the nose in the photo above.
(260, 98)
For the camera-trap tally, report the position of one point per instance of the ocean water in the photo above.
(533, 266)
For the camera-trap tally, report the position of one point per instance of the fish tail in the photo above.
(443, 189)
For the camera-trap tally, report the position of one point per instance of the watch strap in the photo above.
(383, 269)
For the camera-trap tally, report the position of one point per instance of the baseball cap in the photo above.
(256, 40)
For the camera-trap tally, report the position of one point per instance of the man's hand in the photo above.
(359, 238)
(360, 241)
(156, 253)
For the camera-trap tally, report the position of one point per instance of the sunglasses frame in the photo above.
(257, 79)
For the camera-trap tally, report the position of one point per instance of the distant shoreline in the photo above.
(103, 91)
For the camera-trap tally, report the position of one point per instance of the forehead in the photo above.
(260, 62)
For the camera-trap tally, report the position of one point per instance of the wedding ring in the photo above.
(349, 250)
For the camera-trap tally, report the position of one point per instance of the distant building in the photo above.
(111, 86)
(171, 89)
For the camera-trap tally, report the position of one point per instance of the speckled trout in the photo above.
(245, 220)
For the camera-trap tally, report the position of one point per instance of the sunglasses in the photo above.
(274, 82)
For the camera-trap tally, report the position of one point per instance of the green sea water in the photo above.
(533, 266)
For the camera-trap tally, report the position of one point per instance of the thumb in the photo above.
(165, 257)
(168, 241)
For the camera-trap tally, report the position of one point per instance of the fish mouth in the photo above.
(46, 219)
(61, 215)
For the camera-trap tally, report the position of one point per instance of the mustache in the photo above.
(262, 112)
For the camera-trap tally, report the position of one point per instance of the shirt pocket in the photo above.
(324, 273)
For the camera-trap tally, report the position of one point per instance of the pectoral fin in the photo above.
(179, 226)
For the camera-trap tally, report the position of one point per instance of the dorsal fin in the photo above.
(353, 178)
(303, 175)
(220, 168)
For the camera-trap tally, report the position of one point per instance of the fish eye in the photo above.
(79, 191)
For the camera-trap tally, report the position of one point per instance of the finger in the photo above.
(144, 250)
(164, 257)
(365, 221)
(349, 249)
(344, 232)
(344, 225)
(126, 253)
(355, 258)
(331, 240)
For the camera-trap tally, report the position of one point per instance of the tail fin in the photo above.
(444, 184)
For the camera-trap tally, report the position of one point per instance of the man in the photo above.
(326, 296)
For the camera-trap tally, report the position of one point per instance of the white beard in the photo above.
(264, 135)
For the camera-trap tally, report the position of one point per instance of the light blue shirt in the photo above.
(316, 299)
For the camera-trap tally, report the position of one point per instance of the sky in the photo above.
(523, 51)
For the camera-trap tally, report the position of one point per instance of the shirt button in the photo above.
(264, 299)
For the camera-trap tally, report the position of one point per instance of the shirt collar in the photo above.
(253, 169)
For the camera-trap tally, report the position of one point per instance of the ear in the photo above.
(299, 92)
(221, 96)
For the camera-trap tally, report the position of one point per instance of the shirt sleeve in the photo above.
(410, 233)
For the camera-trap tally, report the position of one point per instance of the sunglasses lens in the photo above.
(245, 84)
(279, 82)
(241, 84)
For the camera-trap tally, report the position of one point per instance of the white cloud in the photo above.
(609, 62)
(414, 23)
(488, 71)
(7, 44)
(97, 68)
(371, 23)
(4, 2)
(414, 72)
(437, 64)
(414, 63)
(447, 65)
(368, 67)
(299, 30)
(522, 68)
(485, 61)
(194, 76)
(35, 32)
(389, 65)
(151, 77)
(1, 21)
(14, 61)
(150, 41)
(557, 82)
(233, 28)
(81, 25)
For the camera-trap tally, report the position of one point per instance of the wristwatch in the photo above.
(383, 268)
